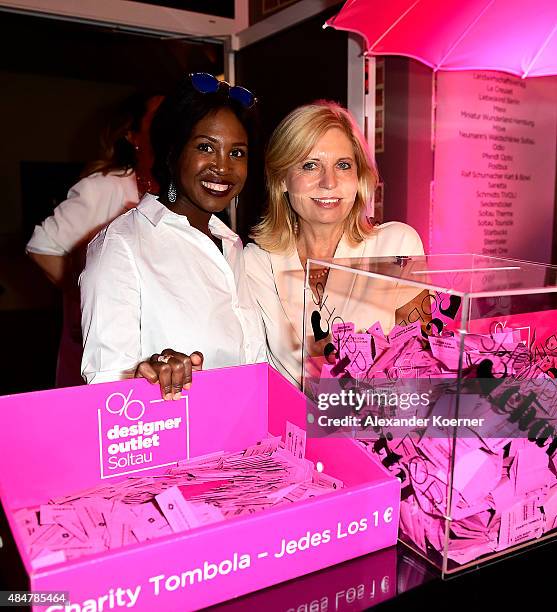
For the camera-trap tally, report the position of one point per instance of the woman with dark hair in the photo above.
(169, 271)
(109, 186)
(126, 144)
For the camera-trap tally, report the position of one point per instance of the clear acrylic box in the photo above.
(444, 366)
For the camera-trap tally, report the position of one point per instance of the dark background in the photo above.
(291, 68)
(60, 81)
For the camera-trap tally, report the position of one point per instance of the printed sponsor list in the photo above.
(494, 165)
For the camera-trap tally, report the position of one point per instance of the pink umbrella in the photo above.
(516, 36)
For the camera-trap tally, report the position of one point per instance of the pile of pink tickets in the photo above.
(406, 353)
(190, 494)
(504, 486)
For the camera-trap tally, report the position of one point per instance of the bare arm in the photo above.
(91, 204)
(55, 267)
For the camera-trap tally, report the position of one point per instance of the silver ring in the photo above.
(164, 358)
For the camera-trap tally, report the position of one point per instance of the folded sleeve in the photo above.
(91, 204)
(111, 308)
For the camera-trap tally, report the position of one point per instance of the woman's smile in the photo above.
(217, 188)
(327, 202)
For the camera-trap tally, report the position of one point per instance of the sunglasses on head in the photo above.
(207, 83)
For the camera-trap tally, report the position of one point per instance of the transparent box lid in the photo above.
(476, 275)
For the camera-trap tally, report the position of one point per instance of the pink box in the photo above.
(55, 443)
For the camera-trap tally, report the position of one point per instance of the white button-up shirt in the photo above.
(92, 203)
(152, 281)
(277, 282)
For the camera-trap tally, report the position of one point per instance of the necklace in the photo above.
(320, 274)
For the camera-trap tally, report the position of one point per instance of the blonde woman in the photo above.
(320, 179)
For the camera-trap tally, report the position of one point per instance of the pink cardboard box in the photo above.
(59, 442)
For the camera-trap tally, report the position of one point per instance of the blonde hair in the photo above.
(290, 143)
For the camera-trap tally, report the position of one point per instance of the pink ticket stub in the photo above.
(48, 558)
(177, 510)
(53, 513)
(445, 350)
(522, 522)
(402, 333)
(340, 331)
(324, 480)
(529, 469)
(296, 440)
(150, 524)
(265, 447)
(357, 349)
(376, 330)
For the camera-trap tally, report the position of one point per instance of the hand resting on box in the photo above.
(172, 370)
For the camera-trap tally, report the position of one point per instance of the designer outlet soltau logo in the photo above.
(137, 434)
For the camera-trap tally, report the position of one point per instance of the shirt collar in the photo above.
(221, 230)
(151, 208)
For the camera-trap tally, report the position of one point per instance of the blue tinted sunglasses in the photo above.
(207, 83)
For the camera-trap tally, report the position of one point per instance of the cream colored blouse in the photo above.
(277, 285)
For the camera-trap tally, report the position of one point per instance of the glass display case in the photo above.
(444, 367)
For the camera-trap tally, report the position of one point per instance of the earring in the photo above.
(235, 201)
(295, 226)
(172, 192)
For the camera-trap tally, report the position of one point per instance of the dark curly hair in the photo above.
(176, 118)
